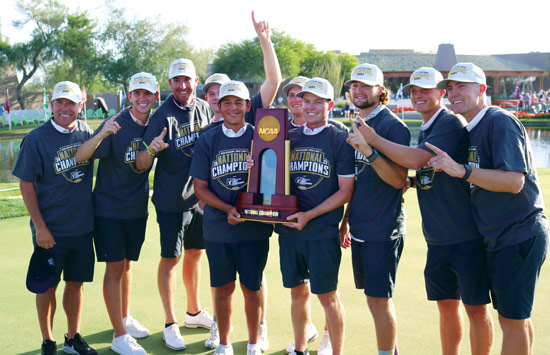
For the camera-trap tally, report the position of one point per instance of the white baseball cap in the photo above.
(234, 88)
(368, 74)
(465, 73)
(183, 67)
(217, 78)
(67, 90)
(298, 81)
(319, 87)
(425, 77)
(144, 81)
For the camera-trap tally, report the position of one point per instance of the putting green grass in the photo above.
(418, 320)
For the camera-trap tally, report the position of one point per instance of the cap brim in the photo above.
(366, 82)
(289, 86)
(443, 83)
(408, 87)
(301, 94)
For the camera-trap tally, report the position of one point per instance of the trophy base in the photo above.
(250, 206)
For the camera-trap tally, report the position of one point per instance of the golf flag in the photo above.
(7, 104)
(399, 93)
(44, 99)
(84, 95)
(122, 98)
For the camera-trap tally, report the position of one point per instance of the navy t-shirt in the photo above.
(173, 188)
(376, 211)
(221, 161)
(499, 141)
(444, 200)
(63, 187)
(121, 189)
(315, 163)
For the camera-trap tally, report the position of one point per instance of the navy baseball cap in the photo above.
(41, 274)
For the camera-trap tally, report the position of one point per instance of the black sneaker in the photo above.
(49, 347)
(77, 346)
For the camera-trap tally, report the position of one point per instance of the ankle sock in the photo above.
(192, 315)
(169, 324)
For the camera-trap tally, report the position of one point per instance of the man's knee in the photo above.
(329, 300)
(300, 293)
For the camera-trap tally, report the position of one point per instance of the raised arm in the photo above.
(86, 150)
(273, 77)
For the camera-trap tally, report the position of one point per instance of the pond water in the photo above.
(540, 141)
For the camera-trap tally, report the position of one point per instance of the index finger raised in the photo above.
(113, 117)
(434, 148)
(353, 125)
(254, 19)
(163, 133)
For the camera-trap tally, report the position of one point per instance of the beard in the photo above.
(364, 105)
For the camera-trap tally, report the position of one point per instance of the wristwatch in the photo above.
(468, 172)
(370, 159)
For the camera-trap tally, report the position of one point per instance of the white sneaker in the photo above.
(253, 350)
(214, 340)
(224, 350)
(311, 335)
(172, 337)
(134, 328)
(326, 346)
(263, 342)
(126, 345)
(202, 320)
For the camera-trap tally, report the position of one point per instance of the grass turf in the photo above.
(418, 320)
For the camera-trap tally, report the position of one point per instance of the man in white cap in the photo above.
(57, 192)
(376, 233)
(232, 245)
(262, 99)
(322, 176)
(121, 196)
(455, 266)
(170, 137)
(506, 202)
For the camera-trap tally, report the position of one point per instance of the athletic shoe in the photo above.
(306, 352)
(49, 347)
(224, 350)
(214, 340)
(311, 335)
(263, 342)
(134, 328)
(253, 350)
(127, 345)
(201, 320)
(172, 337)
(77, 345)
(326, 346)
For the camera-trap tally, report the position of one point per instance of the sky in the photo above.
(351, 26)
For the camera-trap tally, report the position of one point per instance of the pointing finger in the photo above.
(434, 148)
(353, 125)
(114, 117)
(254, 19)
(163, 133)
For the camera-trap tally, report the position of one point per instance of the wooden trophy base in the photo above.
(250, 206)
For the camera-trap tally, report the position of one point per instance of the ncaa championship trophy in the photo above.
(268, 194)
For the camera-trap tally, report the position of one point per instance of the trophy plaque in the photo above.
(268, 190)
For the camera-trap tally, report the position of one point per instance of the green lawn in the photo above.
(417, 318)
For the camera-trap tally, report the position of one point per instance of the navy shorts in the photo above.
(375, 265)
(457, 271)
(513, 276)
(316, 261)
(74, 256)
(246, 258)
(179, 229)
(119, 239)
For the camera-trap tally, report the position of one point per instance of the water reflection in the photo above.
(9, 150)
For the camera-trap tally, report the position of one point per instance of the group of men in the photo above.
(477, 189)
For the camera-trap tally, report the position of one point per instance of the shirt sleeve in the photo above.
(200, 165)
(29, 165)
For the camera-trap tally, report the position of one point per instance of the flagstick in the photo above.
(9, 112)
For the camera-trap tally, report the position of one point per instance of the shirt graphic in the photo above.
(131, 154)
(308, 167)
(65, 163)
(229, 168)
